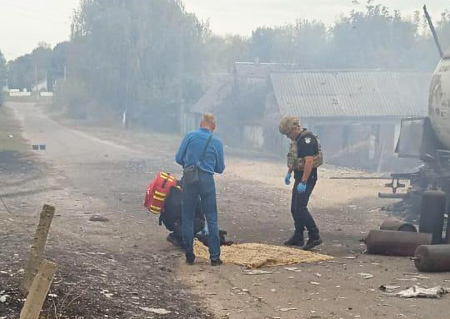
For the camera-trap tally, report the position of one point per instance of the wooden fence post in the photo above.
(37, 248)
(38, 290)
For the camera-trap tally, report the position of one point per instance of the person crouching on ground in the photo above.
(202, 151)
(171, 217)
(303, 159)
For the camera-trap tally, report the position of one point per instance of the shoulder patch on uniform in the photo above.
(307, 140)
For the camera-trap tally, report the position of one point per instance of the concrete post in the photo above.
(37, 247)
(38, 290)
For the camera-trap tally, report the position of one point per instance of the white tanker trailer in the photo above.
(428, 139)
(439, 101)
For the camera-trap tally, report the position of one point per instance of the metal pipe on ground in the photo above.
(432, 214)
(432, 258)
(395, 243)
(393, 196)
(393, 223)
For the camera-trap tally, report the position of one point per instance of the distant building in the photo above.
(356, 113)
(41, 86)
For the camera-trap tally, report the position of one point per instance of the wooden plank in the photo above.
(38, 290)
(38, 247)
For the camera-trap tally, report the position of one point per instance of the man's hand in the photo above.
(301, 188)
(287, 179)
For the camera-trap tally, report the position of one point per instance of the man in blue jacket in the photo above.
(190, 153)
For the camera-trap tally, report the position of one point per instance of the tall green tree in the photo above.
(31, 69)
(3, 76)
(303, 44)
(137, 55)
(443, 29)
(374, 38)
(223, 51)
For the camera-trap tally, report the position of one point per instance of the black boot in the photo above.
(216, 262)
(190, 259)
(313, 241)
(295, 240)
(172, 238)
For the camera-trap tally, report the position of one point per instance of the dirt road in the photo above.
(87, 171)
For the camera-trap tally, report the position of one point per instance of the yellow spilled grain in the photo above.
(258, 255)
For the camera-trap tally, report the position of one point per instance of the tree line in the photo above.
(3, 76)
(151, 58)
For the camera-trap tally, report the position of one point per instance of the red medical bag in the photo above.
(157, 191)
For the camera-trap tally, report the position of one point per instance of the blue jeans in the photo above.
(206, 189)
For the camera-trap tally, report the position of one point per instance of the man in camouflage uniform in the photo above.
(303, 159)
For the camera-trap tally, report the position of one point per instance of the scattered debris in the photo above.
(419, 292)
(388, 288)
(3, 298)
(407, 279)
(314, 283)
(366, 275)
(257, 272)
(38, 147)
(107, 294)
(98, 218)
(295, 269)
(159, 311)
(287, 309)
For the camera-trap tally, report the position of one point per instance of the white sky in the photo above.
(25, 23)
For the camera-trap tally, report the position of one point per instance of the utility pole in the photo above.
(36, 82)
(433, 31)
(35, 78)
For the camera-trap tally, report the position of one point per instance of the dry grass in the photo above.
(10, 132)
(261, 255)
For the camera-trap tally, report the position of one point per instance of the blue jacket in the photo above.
(192, 148)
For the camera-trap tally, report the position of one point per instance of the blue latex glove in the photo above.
(301, 188)
(287, 179)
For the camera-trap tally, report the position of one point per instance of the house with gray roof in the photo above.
(356, 113)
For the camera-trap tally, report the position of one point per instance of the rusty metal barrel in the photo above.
(395, 243)
(393, 223)
(432, 214)
(432, 258)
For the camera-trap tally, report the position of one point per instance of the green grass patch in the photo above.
(10, 132)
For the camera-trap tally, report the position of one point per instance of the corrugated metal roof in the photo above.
(351, 93)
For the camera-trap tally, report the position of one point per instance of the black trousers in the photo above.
(199, 225)
(300, 212)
